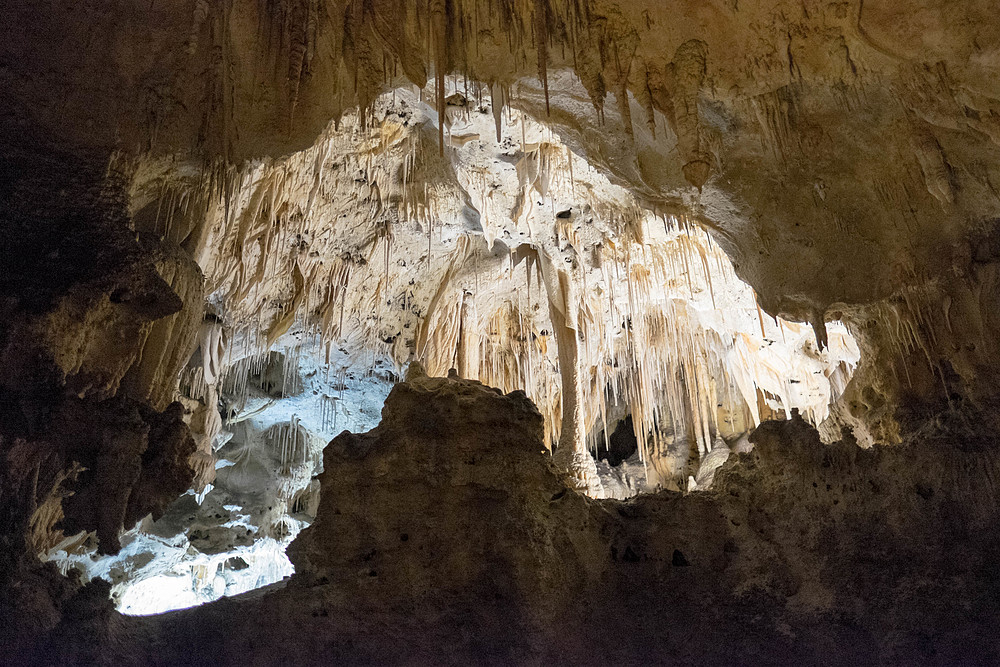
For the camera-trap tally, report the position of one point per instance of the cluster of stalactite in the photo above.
(595, 306)
(324, 57)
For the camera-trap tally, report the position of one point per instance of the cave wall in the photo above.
(446, 535)
(82, 447)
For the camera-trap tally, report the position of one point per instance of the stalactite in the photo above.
(937, 178)
(298, 47)
(323, 241)
(689, 68)
(497, 102)
(284, 323)
(439, 38)
(541, 30)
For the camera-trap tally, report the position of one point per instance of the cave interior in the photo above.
(500, 332)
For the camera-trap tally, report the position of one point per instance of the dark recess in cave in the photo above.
(621, 445)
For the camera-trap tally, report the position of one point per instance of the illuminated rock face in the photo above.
(230, 536)
(556, 197)
(514, 262)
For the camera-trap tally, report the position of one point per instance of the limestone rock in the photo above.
(436, 540)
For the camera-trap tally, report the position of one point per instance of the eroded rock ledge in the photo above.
(446, 536)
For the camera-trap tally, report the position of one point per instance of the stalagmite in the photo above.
(571, 451)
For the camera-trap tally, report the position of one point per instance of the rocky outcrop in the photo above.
(80, 296)
(87, 465)
(446, 535)
(71, 328)
(453, 462)
(172, 339)
(110, 463)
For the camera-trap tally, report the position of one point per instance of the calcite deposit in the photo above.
(695, 302)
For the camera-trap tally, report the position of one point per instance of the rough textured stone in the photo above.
(441, 541)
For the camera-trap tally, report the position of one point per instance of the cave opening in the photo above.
(276, 412)
(263, 417)
(510, 259)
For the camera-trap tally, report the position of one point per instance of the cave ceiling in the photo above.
(853, 141)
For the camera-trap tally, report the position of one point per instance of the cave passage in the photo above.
(277, 412)
(307, 336)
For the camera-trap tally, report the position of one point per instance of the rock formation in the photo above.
(229, 227)
(446, 534)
